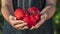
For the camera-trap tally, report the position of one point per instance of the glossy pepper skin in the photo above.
(36, 12)
(31, 16)
(27, 19)
(19, 13)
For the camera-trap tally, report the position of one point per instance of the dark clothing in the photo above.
(45, 28)
(37, 3)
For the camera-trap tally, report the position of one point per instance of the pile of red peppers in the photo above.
(31, 16)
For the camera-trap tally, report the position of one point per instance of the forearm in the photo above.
(7, 8)
(50, 10)
(5, 12)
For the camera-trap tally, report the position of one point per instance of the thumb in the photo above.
(44, 16)
(12, 17)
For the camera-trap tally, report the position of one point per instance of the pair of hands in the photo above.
(21, 25)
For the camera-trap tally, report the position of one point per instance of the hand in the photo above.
(18, 24)
(43, 19)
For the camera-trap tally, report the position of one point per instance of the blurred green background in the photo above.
(55, 20)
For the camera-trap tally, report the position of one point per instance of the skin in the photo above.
(7, 12)
(47, 12)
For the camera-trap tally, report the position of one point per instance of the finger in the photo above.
(44, 16)
(26, 27)
(19, 28)
(32, 28)
(12, 17)
(37, 26)
(18, 22)
(23, 28)
(20, 25)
